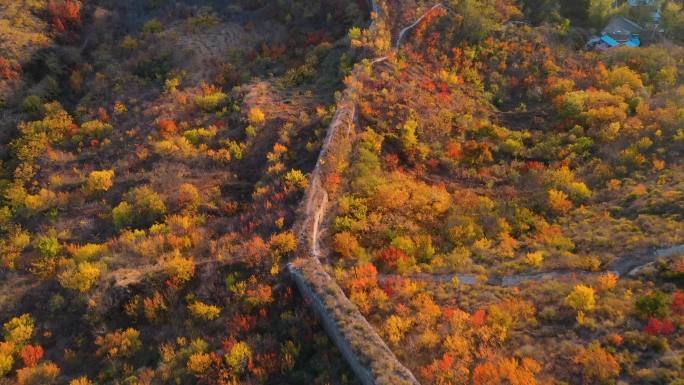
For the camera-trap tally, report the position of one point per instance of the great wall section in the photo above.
(368, 356)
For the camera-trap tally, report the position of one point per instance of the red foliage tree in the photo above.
(253, 251)
(478, 318)
(365, 277)
(8, 70)
(391, 257)
(166, 127)
(31, 355)
(659, 327)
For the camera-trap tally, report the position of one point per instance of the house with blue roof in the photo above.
(625, 32)
(619, 32)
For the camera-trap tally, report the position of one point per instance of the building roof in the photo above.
(636, 3)
(621, 28)
(634, 41)
(610, 41)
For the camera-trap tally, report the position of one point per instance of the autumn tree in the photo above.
(19, 330)
(582, 298)
(119, 344)
(392, 258)
(199, 363)
(6, 357)
(598, 365)
(99, 181)
(166, 128)
(179, 268)
(43, 374)
(346, 244)
(239, 356)
(31, 355)
(83, 380)
(141, 206)
(396, 327)
(507, 371)
(203, 311)
(189, 196)
(653, 305)
(673, 18)
(80, 276)
(65, 14)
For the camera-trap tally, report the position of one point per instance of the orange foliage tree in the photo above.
(65, 14)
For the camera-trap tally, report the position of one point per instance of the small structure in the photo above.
(623, 31)
(641, 3)
(620, 31)
(649, 11)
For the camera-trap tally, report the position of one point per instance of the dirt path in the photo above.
(624, 267)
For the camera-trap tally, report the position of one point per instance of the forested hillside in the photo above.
(503, 186)
(504, 206)
(153, 155)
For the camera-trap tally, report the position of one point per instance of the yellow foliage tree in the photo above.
(189, 196)
(581, 298)
(607, 281)
(99, 181)
(203, 311)
(239, 356)
(179, 267)
(396, 327)
(6, 358)
(535, 259)
(80, 277)
(345, 244)
(19, 330)
(81, 381)
(256, 117)
(558, 201)
(283, 243)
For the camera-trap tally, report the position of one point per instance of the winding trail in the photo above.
(623, 267)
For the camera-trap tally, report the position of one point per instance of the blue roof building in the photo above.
(620, 31)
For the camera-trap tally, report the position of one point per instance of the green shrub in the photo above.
(122, 215)
(141, 206)
(153, 26)
(200, 135)
(32, 104)
(211, 102)
(653, 305)
(48, 245)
